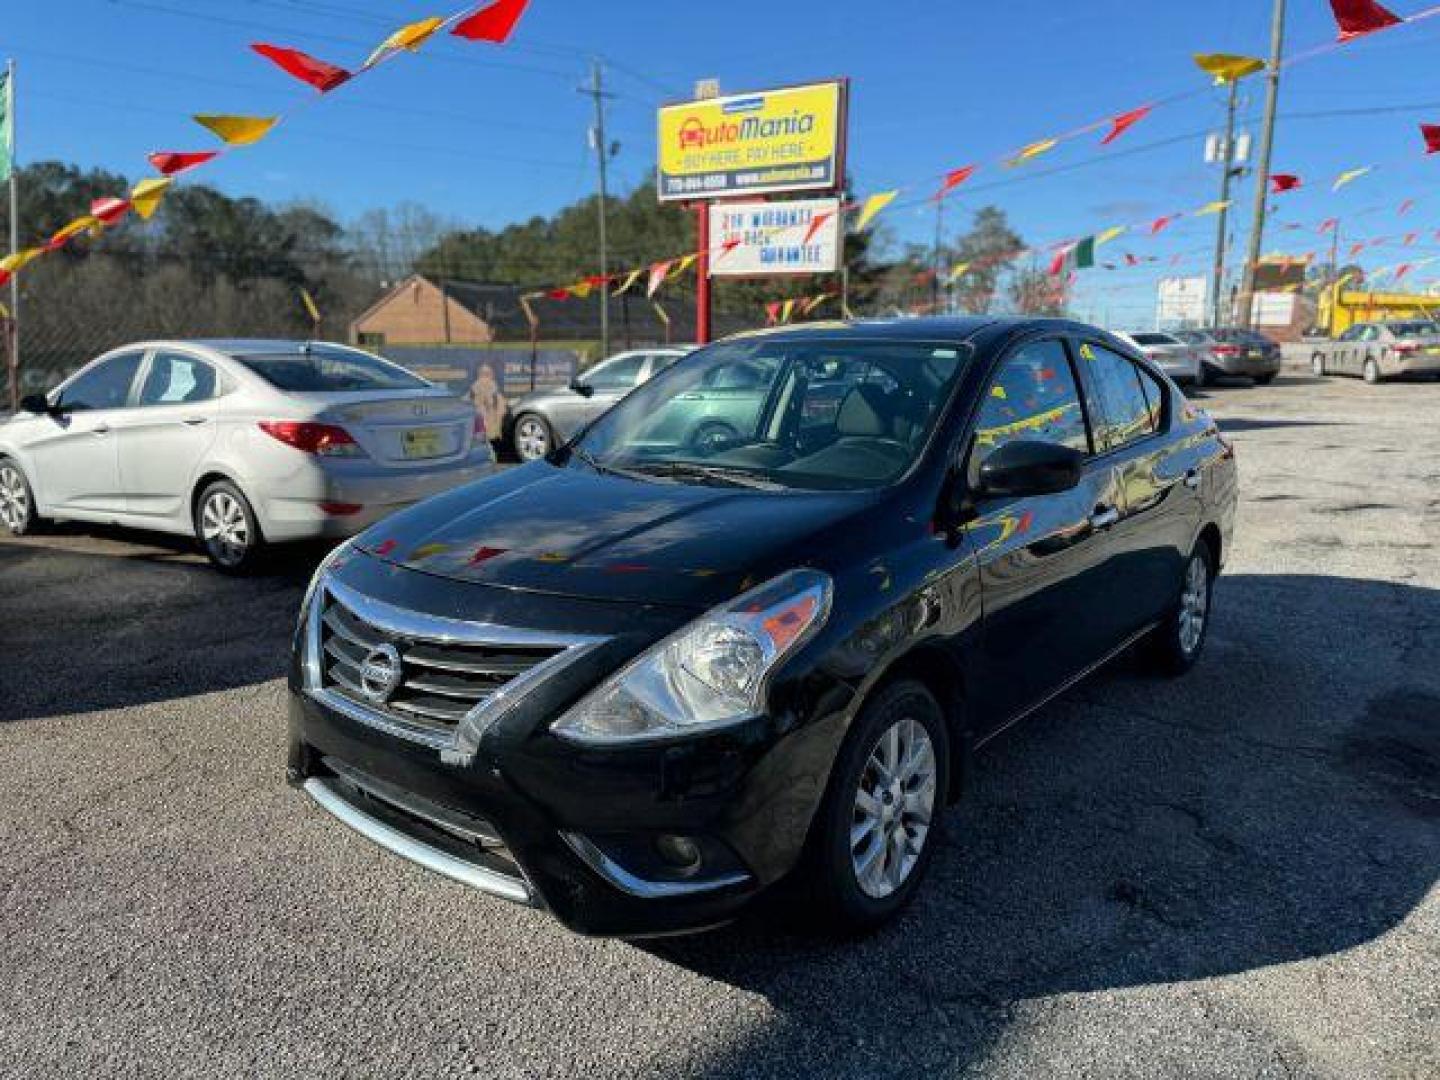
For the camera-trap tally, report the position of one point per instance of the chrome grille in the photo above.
(442, 680)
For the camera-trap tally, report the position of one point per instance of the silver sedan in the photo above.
(236, 442)
(1178, 359)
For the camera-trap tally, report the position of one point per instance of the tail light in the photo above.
(1405, 347)
(324, 440)
(1226, 350)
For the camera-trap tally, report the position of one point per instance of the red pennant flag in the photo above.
(1431, 132)
(1329, 225)
(1158, 225)
(1357, 17)
(1401, 271)
(1283, 182)
(1124, 122)
(728, 246)
(558, 294)
(1131, 260)
(170, 162)
(306, 68)
(658, 273)
(110, 211)
(954, 178)
(816, 224)
(1410, 238)
(1405, 207)
(5, 276)
(1058, 262)
(772, 313)
(596, 280)
(1356, 249)
(495, 23)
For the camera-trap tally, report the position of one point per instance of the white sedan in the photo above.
(237, 442)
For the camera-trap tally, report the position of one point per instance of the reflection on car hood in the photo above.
(576, 532)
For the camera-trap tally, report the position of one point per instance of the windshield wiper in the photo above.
(601, 467)
(697, 471)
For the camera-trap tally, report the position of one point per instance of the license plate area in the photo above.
(416, 443)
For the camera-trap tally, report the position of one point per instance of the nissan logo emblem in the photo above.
(380, 673)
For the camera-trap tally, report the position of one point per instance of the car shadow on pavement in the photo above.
(1282, 802)
(148, 621)
(1230, 425)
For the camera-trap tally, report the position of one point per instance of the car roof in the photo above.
(935, 328)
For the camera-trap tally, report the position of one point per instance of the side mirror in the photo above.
(35, 403)
(582, 388)
(1028, 467)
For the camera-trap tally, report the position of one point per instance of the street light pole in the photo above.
(1227, 158)
(1262, 171)
(602, 151)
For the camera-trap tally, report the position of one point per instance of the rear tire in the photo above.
(17, 500)
(1264, 380)
(1317, 365)
(1371, 371)
(227, 529)
(533, 437)
(872, 841)
(1173, 647)
(1205, 378)
(712, 436)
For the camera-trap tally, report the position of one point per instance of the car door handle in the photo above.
(1104, 517)
(1192, 479)
(100, 429)
(194, 421)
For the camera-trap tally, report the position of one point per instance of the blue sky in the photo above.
(488, 135)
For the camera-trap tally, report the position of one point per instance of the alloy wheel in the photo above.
(893, 807)
(532, 439)
(224, 528)
(1194, 604)
(14, 498)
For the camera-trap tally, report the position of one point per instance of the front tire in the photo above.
(17, 500)
(876, 833)
(1317, 365)
(533, 437)
(1175, 645)
(227, 529)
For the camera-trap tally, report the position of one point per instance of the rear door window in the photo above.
(621, 374)
(105, 386)
(1124, 411)
(177, 379)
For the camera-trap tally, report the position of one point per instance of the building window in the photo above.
(371, 339)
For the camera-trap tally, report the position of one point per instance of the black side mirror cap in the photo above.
(583, 389)
(35, 403)
(1030, 467)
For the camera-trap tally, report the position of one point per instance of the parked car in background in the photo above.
(1381, 350)
(541, 421)
(1229, 351)
(644, 680)
(1179, 359)
(238, 442)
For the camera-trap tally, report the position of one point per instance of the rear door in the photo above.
(1044, 562)
(161, 440)
(1159, 481)
(74, 456)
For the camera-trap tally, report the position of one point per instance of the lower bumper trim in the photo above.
(477, 877)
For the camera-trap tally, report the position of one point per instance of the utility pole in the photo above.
(1262, 171)
(1227, 159)
(1334, 286)
(602, 153)
(935, 267)
(14, 219)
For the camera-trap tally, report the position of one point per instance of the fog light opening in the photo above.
(680, 852)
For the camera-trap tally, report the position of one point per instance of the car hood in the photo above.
(577, 532)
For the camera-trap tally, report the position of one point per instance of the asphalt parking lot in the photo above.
(1235, 874)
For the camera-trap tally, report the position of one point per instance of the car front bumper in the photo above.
(341, 499)
(576, 831)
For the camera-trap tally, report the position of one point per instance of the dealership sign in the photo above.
(750, 144)
(764, 238)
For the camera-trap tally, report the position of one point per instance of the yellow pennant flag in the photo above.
(1109, 234)
(873, 205)
(79, 225)
(684, 264)
(13, 263)
(1034, 150)
(311, 308)
(411, 37)
(661, 313)
(1349, 175)
(580, 290)
(146, 195)
(238, 130)
(958, 271)
(629, 282)
(1213, 208)
(1227, 68)
(786, 310)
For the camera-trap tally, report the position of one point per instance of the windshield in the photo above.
(1414, 329)
(782, 413)
(1153, 339)
(326, 370)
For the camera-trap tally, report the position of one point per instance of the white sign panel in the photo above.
(1181, 301)
(1272, 309)
(799, 237)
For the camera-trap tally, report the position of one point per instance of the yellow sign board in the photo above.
(791, 139)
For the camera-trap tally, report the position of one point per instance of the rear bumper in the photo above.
(1244, 366)
(1415, 364)
(293, 510)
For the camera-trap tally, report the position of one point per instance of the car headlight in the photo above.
(712, 673)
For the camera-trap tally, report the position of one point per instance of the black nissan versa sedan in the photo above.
(638, 683)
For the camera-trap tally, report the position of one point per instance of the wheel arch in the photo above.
(208, 475)
(935, 668)
(1210, 536)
